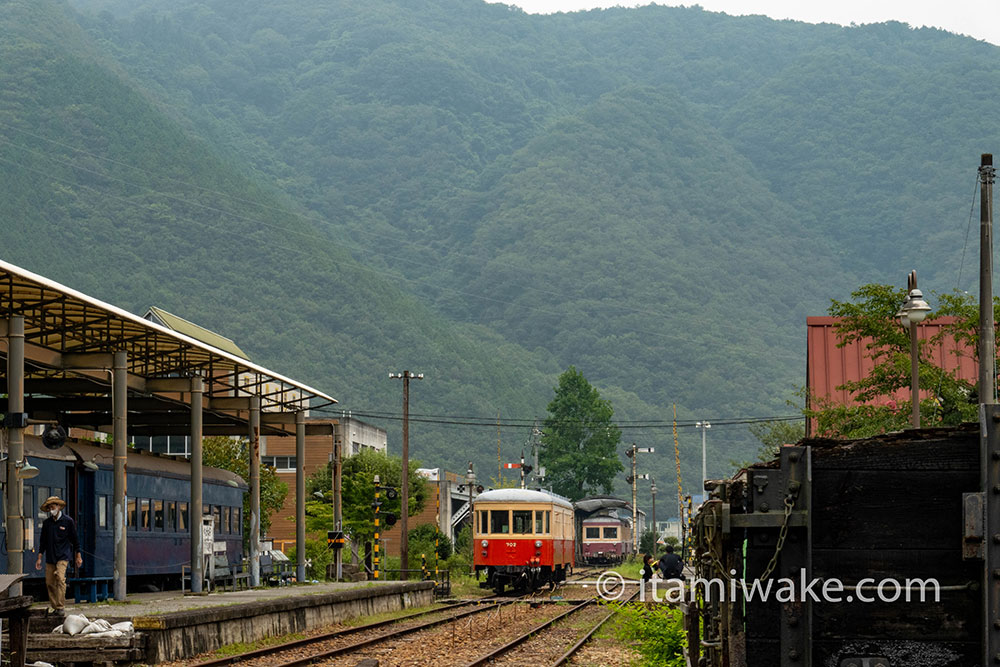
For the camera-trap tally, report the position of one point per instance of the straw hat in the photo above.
(52, 500)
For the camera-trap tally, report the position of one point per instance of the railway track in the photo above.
(466, 632)
(269, 655)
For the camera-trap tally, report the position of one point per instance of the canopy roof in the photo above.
(70, 339)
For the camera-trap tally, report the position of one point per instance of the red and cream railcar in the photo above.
(605, 539)
(523, 538)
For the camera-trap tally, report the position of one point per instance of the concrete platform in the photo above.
(172, 626)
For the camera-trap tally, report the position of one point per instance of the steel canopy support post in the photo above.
(194, 519)
(15, 450)
(300, 495)
(254, 454)
(119, 398)
(338, 517)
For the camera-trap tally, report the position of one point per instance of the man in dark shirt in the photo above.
(671, 565)
(58, 545)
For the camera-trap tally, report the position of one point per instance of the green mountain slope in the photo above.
(659, 196)
(104, 192)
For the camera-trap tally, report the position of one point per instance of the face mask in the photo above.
(53, 513)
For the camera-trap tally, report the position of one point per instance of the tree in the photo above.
(647, 543)
(579, 440)
(232, 454)
(358, 493)
(870, 319)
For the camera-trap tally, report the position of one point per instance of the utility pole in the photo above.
(704, 426)
(633, 480)
(652, 492)
(404, 538)
(987, 342)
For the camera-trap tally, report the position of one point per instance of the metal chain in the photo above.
(789, 503)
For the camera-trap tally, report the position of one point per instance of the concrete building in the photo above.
(279, 453)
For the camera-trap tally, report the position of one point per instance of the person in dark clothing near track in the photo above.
(671, 565)
(59, 545)
(647, 567)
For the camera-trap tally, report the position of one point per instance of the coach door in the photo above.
(81, 498)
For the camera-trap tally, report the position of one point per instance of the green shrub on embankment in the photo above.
(656, 632)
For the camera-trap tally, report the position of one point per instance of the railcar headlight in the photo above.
(485, 544)
(538, 544)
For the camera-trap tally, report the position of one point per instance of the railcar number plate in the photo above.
(511, 544)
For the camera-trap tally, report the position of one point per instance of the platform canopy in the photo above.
(70, 340)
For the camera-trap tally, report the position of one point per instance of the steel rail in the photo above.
(299, 643)
(332, 653)
(564, 658)
(492, 655)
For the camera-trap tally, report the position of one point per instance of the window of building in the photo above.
(593, 533)
(102, 511)
(610, 533)
(41, 492)
(279, 463)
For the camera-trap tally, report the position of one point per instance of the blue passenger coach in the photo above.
(158, 516)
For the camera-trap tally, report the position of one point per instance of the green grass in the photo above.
(243, 647)
(656, 632)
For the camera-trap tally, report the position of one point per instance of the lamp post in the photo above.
(704, 426)
(912, 313)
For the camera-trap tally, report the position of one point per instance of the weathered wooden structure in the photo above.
(894, 511)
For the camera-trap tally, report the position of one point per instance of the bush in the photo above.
(657, 633)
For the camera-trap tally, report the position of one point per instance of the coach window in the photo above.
(171, 518)
(522, 522)
(130, 514)
(144, 525)
(237, 526)
(182, 517)
(499, 521)
(157, 515)
(217, 519)
(610, 533)
(102, 511)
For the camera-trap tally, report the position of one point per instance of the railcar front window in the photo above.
(522, 522)
(499, 521)
(539, 521)
(593, 533)
(611, 533)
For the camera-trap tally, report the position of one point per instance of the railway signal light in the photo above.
(390, 519)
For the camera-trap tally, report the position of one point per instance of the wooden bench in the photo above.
(90, 589)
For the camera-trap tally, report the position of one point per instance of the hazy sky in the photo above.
(976, 18)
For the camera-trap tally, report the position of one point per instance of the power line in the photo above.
(491, 422)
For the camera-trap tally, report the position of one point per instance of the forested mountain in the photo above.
(657, 196)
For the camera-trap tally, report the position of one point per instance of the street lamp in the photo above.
(704, 426)
(912, 313)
